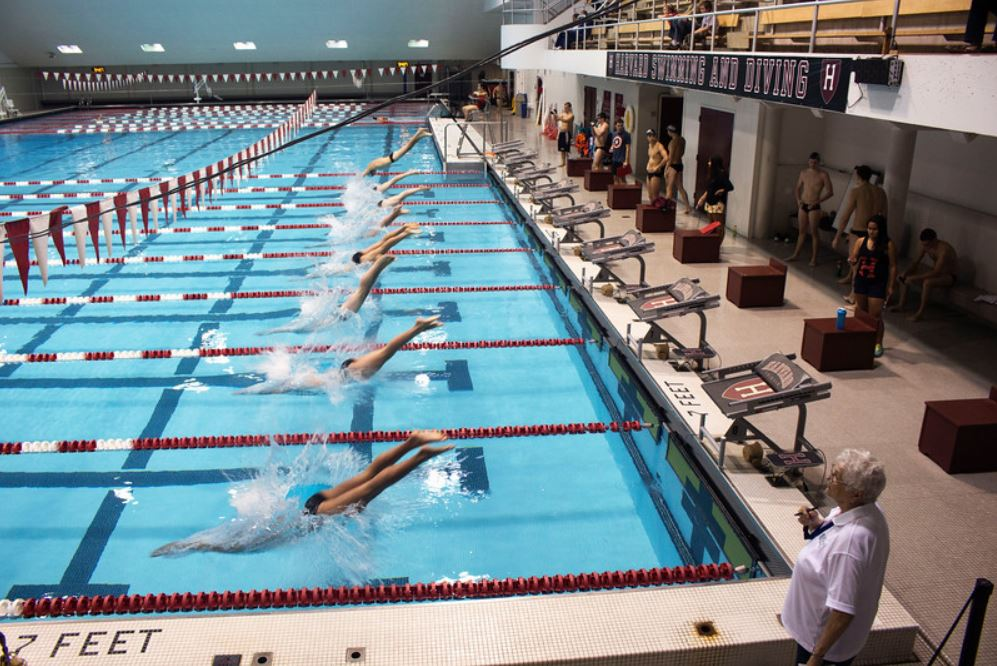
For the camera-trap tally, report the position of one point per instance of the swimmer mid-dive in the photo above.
(395, 213)
(393, 157)
(285, 375)
(350, 496)
(382, 473)
(315, 311)
(382, 246)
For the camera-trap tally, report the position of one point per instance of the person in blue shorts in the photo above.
(619, 147)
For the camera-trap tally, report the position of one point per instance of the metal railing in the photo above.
(610, 36)
(533, 11)
(7, 108)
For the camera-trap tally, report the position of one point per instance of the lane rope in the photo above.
(234, 190)
(255, 176)
(213, 352)
(361, 594)
(237, 295)
(302, 438)
(284, 206)
(257, 256)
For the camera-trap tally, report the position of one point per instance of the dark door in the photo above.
(716, 133)
(589, 111)
(423, 78)
(669, 113)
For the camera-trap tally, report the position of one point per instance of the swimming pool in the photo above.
(496, 508)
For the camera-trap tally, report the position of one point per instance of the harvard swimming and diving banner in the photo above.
(820, 83)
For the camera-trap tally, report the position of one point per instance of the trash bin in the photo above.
(521, 101)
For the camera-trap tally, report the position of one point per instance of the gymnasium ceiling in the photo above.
(110, 31)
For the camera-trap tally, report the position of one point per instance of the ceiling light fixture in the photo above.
(153, 48)
(244, 46)
(69, 48)
(418, 43)
(337, 44)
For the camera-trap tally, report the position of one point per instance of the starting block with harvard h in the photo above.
(773, 383)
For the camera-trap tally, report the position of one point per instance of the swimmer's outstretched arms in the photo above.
(388, 184)
(396, 155)
(366, 366)
(382, 473)
(386, 221)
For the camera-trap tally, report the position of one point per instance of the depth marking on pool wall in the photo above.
(105, 642)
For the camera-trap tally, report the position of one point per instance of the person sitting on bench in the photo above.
(944, 272)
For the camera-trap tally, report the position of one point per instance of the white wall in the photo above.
(951, 187)
(747, 126)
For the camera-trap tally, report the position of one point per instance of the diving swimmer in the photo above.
(396, 155)
(351, 495)
(360, 368)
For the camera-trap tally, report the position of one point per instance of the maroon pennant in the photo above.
(121, 208)
(197, 189)
(181, 182)
(55, 230)
(93, 224)
(164, 193)
(209, 173)
(17, 236)
(144, 197)
(220, 169)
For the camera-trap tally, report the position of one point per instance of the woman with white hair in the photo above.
(838, 577)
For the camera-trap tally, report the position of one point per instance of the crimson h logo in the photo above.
(830, 74)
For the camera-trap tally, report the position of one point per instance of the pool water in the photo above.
(506, 507)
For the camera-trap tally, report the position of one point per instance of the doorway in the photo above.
(716, 134)
(589, 105)
(669, 113)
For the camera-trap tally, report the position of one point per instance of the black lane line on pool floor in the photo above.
(657, 499)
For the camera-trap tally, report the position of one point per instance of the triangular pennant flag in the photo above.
(78, 213)
(155, 214)
(380, 71)
(133, 215)
(93, 225)
(335, 73)
(392, 70)
(258, 75)
(107, 224)
(302, 75)
(214, 78)
(164, 189)
(17, 237)
(220, 170)
(45, 75)
(55, 231)
(181, 183)
(269, 76)
(169, 77)
(208, 173)
(434, 67)
(120, 207)
(197, 188)
(282, 75)
(144, 196)
(39, 240)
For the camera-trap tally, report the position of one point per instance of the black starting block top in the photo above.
(774, 382)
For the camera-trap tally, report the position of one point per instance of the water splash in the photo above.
(269, 512)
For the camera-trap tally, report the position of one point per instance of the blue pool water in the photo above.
(532, 506)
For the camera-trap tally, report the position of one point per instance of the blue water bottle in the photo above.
(840, 323)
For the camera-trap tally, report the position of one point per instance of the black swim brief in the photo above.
(806, 208)
(312, 503)
(660, 173)
(677, 166)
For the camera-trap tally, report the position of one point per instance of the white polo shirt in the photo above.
(841, 569)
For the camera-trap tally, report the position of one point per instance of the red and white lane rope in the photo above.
(256, 256)
(305, 225)
(302, 438)
(239, 295)
(256, 176)
(212, 352)
(234, 190)
(285, 206)
(306, 597)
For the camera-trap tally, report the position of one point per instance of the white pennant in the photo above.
(107, 222)
(45, 75)
(39, 240)
(80, 231)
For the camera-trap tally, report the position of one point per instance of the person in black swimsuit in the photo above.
(601, 132)
(714, 197)
(396, 155)
(382, 473)
(875, 261)
(657, 161)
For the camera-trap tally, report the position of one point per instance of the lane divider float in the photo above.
(360, 594)
(304, 225)
(211, 352)
(255, 176)
(257, 256)
(285, 206)
(303, 438)
(237, 295)
(235, 190)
